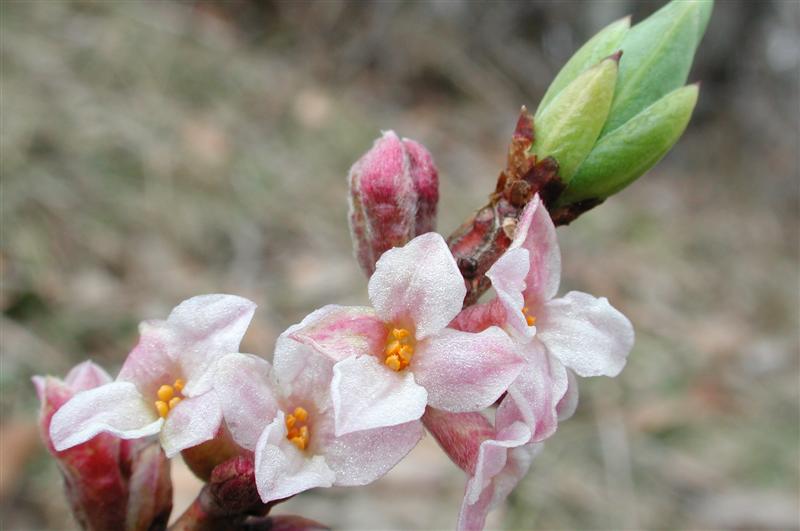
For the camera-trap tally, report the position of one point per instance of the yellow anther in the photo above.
(393, 362)
(179, 384)
(304, 432)
(174, 402)
(299, 442)
(290, 421)
(530, 319)
(162, 408)
(301, 414)
(406, 351)
(393, 348)
(400, 333)
(165, 392)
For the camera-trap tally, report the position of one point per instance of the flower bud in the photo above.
(657, 56)
(602, 45)
(569, 126)
(625, 154)
(110, 483)
(394, 190)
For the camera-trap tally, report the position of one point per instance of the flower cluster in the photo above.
(344, 398)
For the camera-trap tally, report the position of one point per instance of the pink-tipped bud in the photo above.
(394, 190)
(459, 434)
(101, 475)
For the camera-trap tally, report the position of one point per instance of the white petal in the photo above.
(193, 421)
(419, 283)
(586, 334)
(116, 408)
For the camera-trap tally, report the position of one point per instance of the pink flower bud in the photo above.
(394, 190)
(110, 483)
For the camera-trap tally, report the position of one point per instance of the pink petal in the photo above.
(508, 280)
(151, 364)
(250, 400)
(368, 395)
(479, 317)
(282, 470)
(342, 331)
(534, 395)
(459, 434)
(493, 459)
(116, 408)
(362, 457)
(302, 373)
(418, 285)
(569, 402)
(537, 234)
(87, 375)
(193, 421)
(205, 328)
(463, 371)
(518, 462)
(586, 334)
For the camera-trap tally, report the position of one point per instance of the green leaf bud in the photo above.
(569, 126)
(623, 155)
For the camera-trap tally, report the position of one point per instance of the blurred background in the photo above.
(154, 151)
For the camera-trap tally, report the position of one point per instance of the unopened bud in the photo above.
(621, 157)
(459, 434)
(657, 56)
(394, 190)
(569, 126)
(603, 44)
(105, 478)
(203, 458)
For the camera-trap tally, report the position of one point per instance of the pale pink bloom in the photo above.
(577, 332)
(394, 358)
(284, 414)
(165, 384)
(494, 459)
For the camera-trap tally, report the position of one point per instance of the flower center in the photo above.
(530, 319)
(398, 349)
(168, 397)
(297, 428)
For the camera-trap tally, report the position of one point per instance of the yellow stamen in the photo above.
(406, 351)
(174, 402)
(301, 414)
(179, 384)
(299, 442)
(530, 319)
(162, 409)
(290, 421)
(393, 348)
(296, 429)
(393, 362)
(400, 333)
(165, 392)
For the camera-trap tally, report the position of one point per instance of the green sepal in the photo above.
(571, 123)
(603, 44)
(657, 56)
(622, 156)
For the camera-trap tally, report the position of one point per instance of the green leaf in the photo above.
(570, 125)
(657, 56)
(603, 44)
(622, 156)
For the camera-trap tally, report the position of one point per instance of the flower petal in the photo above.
(569, 402)
(463, 371)
(87, 375)
(537, 234)
(117, 408)
(534, 395)
(282, 470)
(508, 275)
(250, 400)
(368, 395)
(342, 331)
(420, 283)
(479, 317)
(493, 457)
(302, 373)
(150, 364)
(204, 328)
(586, 334)
(193, 421)
(362, 457)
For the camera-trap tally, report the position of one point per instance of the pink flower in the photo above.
(165, 384)
(104, 476)
(578, 331)
(285, 415)
(393, 359)
(495, 459)
(394, 189)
